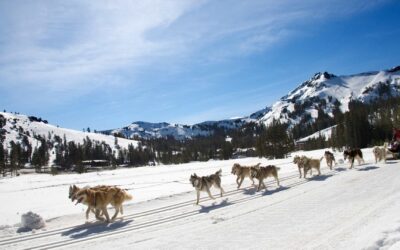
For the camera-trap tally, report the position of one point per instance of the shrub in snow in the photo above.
(31, 221)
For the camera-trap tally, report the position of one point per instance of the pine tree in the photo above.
(2, 159)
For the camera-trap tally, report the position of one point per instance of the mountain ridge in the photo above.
(323, 90)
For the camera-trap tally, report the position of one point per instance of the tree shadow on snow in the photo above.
(81, 232)
(207, 209)
(368, 168)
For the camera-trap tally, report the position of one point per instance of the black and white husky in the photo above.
(204, 183)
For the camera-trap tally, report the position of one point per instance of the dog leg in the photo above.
(384, 156)
(277, 181)
(241, 181)
(105, 212)
(300, 172)
(252, 180)
(121, 209)
(352, 163)
(116, 213)
(209, 194)
(98, 215)
(198, 197)
(87, 213)
(259, 185)
(237, 181)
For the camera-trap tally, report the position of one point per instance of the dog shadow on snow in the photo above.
(367, 168)
(85, 231)
(319, 177)
(276, 190)
(252, 191)
(214, 206)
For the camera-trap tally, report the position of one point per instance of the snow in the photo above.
(326, 133)
(341, 209)
(32, 221)
(14, 122)
(341, 88)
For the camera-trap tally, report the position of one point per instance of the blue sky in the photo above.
(105, 64)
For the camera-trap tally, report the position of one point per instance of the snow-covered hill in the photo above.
(323, 91)
(15, 127)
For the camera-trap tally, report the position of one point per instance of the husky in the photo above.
(73, 190)
(380, 153)
(204, 183)
(352, 154)
(330, 158)
(309, 164)
(297, 160)
(242, 172)
(262, 173)
(97, 199)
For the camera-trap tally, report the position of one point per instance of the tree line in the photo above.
(361, 126)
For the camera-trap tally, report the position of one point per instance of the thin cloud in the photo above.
(77, 46)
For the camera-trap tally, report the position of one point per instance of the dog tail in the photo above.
(219, 172)
(127, 196)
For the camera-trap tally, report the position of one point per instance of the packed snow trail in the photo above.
(162, 215)
(355, 209)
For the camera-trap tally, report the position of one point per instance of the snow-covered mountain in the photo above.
(14, 127)
(323, 91)
(148, 130)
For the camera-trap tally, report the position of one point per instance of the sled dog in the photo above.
(297, 160)
(352, 154)
(330, 158)
(309, 164)
(262, 173)
(242, 172)
(204, 183)
(73, 190)
(98, 198)
(380, 153)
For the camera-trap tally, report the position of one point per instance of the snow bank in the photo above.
(32, 221)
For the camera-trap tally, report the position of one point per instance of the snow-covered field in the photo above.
(341, 209)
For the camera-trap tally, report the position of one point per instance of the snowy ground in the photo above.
(341, 209)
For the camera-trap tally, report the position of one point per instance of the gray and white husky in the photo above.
(204, 183)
